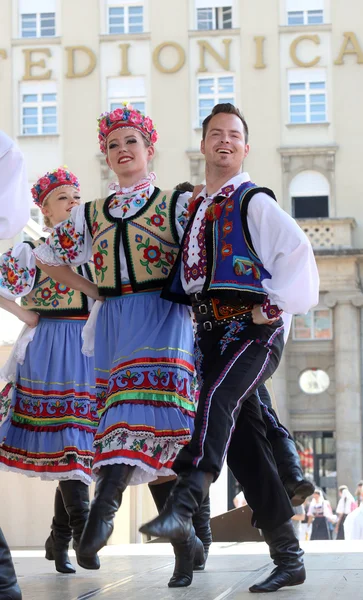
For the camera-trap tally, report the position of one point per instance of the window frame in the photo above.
(217, 17)
(38, 25)
(309, 93)
(39, 104)
(306, 13)
(126, 8)
(132, 101)
(312, 337)
(216, 97)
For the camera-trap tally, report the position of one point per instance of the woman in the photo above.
(143, 344)
(345, 506)
(49, 430)
(320, 514)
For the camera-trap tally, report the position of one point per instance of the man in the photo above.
(14, 213)
(243, 261)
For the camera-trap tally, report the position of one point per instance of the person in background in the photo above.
(15, 202)
(345, 506)
(320, 515)
(297, 519)
(359, 493)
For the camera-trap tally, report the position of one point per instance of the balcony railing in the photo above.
(333, 234)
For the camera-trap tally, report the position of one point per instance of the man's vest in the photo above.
(150, 242)
(50, 298)
(233, 268)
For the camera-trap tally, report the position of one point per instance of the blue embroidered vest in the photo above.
(233, 267)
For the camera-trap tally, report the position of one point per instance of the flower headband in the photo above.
(50, 181)
(127, 116)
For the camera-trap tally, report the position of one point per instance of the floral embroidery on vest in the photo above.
(199, 268)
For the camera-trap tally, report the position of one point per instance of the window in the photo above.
(125, 19)
(127, 89)
(309, 192)
(304, 12)
(214, 18)
(38, 113)
(211, 91)
(317, 324)
(38, 24)
(307, 96)
(305, 17)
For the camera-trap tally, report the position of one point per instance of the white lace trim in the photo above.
(78, 475)
(17, 356)
(141, 184)
(89, 330)
(46, 256)
(142, 474)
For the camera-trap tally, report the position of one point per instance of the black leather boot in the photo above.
(76, 501)
(111, 483)
(56, 546)
(288, 558)
(201, 522)
(175, 521)
(290, 471)
(186, 553)
(9, 589)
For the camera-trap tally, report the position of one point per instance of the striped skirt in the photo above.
(50, 427)
(144, 373)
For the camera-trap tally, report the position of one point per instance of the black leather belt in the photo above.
(212, 312)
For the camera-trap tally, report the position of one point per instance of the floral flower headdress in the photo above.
(50, 181)
(127, 116)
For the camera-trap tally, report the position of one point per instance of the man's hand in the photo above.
(30, 318)
(258, 318)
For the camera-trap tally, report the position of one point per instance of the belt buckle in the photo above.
(198, 296)
(208, 326)
(205, 309)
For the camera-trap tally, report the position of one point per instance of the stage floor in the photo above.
(141, 572)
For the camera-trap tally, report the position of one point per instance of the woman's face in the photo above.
(60, 202)
(316, 497)
(127, 154)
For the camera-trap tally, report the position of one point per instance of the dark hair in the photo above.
(185, 187)
(228, 109)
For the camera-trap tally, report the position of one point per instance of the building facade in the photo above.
(294, 67)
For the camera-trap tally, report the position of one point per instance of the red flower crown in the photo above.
(50, 181)
(127, 116)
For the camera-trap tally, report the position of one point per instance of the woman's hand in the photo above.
(30, 318)
(196, 192)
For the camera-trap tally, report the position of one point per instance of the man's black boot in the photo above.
(9, 589)
(175, 521)
(56, 546)
(112, 480)
(186, 553)
(290, 471)
(76, 500)
(201, 522)
(288, 558)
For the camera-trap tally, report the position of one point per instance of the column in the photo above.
(280, 392)
(348, 393)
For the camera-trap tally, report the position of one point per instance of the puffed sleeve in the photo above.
(70, 242)
(15, 198)
(286, 253)
(181, 213)
(17, 272)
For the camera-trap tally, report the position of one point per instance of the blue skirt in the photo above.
(50, 428)
(144, 372)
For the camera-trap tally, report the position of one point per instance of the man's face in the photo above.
(224, 145)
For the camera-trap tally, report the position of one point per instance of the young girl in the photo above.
(52, 420)
(320, 515)
(143, 345)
